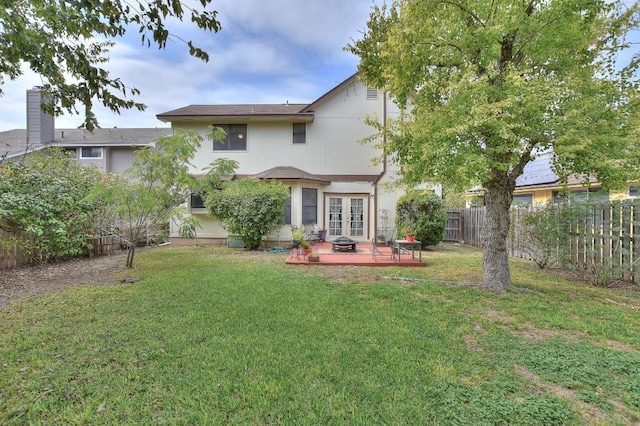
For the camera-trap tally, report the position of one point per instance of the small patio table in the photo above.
(400, 245)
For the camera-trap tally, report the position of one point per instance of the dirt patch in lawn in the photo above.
(22, 282)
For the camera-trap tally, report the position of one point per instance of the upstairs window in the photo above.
(91, 153)
(634, 191)
(299, 133)
(236, 139)
(372, 93)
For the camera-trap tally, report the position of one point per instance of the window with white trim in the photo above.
(197, 201)
(89, 152)
(372, 93)
(299, 133)
(522, 200)
(287, 209)
(309, 206)
(236, 139)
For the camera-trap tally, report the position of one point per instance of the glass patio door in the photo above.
(347, 217)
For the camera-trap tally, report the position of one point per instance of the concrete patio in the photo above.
(363, 256)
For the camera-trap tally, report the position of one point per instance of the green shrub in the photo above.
(45, 202)
(249, 208)
(545, 230)
(423, 212)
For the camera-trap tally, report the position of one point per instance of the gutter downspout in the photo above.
(384, 163)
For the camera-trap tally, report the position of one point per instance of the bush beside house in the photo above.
(423, 212)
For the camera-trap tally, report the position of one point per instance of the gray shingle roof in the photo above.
(291, 173)
(14, 142)
(248, 111)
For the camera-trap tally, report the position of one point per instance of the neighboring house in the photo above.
(111, 150)
(538, 184)
(313, 148)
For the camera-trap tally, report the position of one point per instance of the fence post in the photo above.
(626, 241)
(635, 227)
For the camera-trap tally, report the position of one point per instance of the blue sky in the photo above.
(269, 51)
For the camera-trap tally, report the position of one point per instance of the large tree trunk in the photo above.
(495, 258)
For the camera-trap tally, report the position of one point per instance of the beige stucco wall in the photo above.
(333, 139)
(333, 147)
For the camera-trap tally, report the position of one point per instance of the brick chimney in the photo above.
(40, 125)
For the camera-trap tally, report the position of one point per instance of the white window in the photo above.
(299, 133)
(91, 153)
(372, 93)
(522, 200)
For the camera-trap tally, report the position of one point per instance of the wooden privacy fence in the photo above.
(11, 257)
(465, 226)
(598, 238)
(102, 242)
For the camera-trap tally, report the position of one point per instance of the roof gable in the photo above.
(252, 112)
(289, 173)
(331, 92)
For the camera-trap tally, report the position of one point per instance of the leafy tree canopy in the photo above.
(487, 85)
(159, 182)
(57, 40)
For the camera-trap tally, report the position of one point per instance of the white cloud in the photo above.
(322, 25)
(269, 51)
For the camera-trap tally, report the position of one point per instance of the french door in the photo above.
(347, 216)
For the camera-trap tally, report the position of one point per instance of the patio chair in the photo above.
(384, 237)
(311, 234)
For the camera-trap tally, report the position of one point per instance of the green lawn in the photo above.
(214, 336)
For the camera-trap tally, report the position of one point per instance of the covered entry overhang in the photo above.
(342, 203)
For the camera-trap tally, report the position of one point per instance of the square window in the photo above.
(197, 201)
(236, 139)
(91, 152)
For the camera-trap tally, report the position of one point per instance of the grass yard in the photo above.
(215, 336)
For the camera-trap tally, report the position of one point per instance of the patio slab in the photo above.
(363, 256)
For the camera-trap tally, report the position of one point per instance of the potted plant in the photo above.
(322, 234)
(306, 246)
(314, 256)
(409, 234)
(297, 236)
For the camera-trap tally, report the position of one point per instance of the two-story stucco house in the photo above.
(316, 149)
(109, 149)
